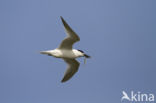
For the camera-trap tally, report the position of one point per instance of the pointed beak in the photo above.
(87, 56)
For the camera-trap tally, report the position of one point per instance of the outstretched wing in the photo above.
(71, 38)
(73, 66)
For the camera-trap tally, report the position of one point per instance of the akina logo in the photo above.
(137, 97)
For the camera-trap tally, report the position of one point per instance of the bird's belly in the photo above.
(68, 54)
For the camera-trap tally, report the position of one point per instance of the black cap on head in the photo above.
(80, 51)
(87, 56)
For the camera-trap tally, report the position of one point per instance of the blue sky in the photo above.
(120, 35)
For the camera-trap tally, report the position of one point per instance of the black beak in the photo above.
(87, 56)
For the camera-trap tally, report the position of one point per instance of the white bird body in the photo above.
(66, 52)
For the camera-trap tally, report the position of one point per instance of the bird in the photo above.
(125, 96)
(66, 52)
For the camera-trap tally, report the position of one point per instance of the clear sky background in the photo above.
(120, 35)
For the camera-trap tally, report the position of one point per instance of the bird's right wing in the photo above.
(71, 38)
(73, 66)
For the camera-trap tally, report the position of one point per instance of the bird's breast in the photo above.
(68, 54)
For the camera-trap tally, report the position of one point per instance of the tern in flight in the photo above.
(67, 53)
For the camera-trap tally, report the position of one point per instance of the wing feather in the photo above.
(73, 66)
(71, 38)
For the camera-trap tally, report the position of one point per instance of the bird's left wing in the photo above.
(73, 66)
(71, 38)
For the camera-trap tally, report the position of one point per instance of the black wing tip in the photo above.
(63, 21)
(63, 80)
(62, 18)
